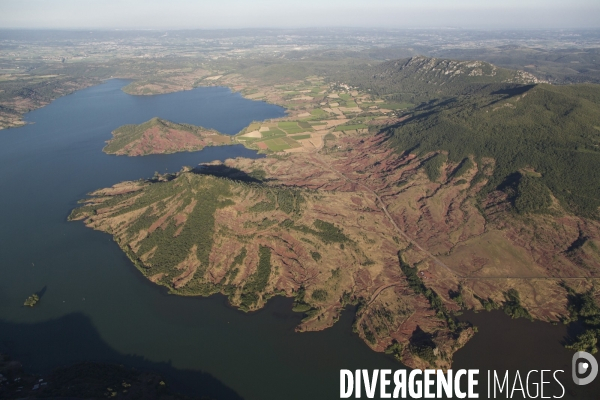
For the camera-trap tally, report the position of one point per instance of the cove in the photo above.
(505, 344)
(96, 306)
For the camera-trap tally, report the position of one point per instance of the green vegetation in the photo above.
(277, 144)
(395, 349)
(300, 137)
(435, 301)
(368, 333)
(329, 233)
(319, 113)
(301, 307)
(395, 106)
(433, 166)
(424, 352)
(350, 127)
(272, 133)
(300, 304)
(325, 231)
(487, 304)
(32, 300)
(233, 269)
(293, 127)
(171, 252)
(420, 79)
(462, 168)
(457, 297)
(257, 281)
(259, 174)
(319, 295)
(172, 243)
(128, 134)
(239, 259)
(289, 200)
(476, 113)
(513, 307)
(583, 306)
(550, 130)
(532, 195)
(43, 87)
(285, 199)
(587, 341)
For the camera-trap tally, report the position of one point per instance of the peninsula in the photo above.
(159, 136)
(412, 212)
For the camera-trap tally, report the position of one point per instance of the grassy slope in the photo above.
(420, 79)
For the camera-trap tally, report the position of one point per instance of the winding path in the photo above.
(383, 207)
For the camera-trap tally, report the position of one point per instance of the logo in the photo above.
(584, 364)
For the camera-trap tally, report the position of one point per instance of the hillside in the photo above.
(551, 130)
(472, 108)
(361, 224)
(421, 79)
(159, 136)
(218, 229)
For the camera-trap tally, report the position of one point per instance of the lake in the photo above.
(96, 306)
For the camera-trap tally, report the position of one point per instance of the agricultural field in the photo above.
(314, 109)
(276, 136)
(350, 127)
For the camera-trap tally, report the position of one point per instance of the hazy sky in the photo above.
(175, 14)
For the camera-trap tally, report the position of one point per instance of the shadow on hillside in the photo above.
(224, 171)
(514, 91)
(72, 339)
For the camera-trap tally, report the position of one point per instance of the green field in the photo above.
(345, 96)
(272, 133)
(282, 143)
(291, 142)
(395, 106)
(291, 127)
(318, 113)
(300, 137)
(288, 124)
(351, 104)
(277, 144)
(350, 127)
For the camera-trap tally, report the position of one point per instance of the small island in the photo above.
(32, 300)
(159, 136)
